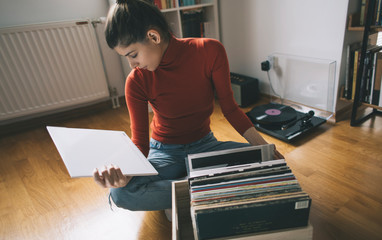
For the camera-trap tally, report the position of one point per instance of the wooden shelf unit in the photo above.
(362, 103)
(210, 15)
(354, 25)
(368, 28)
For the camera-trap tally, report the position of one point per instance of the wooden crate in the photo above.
(182, 226)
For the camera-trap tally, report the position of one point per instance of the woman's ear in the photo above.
(154, 36)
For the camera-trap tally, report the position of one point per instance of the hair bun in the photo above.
(122, 1)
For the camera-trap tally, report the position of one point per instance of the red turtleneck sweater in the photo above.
(181, 93)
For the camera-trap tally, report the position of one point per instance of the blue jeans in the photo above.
(149, 193)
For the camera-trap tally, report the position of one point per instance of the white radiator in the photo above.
(47, 67)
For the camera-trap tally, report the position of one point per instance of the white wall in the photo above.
(250, 29)
(253, 29)
(22, 12)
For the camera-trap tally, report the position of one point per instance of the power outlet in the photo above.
(265, 66)
(271, 60)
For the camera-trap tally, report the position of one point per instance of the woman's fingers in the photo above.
(123, 180)
(110, 177)
(106, 176)
(98, 179)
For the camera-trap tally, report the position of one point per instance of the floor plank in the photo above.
(339, 166)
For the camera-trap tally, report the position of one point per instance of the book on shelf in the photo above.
(370, 73)
(356, 58)
(378, 12)
(350, 68)
(347, 73)
(193, 23)
(189, 2)
(376, 84)
(244, 191)
(157, 3)
(363, 12)
(380, 98)
(377, 18)
(164, 4)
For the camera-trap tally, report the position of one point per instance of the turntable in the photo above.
(283, 122)
(302, 96)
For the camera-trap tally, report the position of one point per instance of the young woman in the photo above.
(177, 77)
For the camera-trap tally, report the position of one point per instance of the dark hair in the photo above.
(129, 20)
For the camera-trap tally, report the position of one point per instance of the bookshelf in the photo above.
(191, 18)
(365, 67)
(354, 24)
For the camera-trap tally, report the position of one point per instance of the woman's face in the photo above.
(144, 55)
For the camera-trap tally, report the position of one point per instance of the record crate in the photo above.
(241, 193)
(182, 226)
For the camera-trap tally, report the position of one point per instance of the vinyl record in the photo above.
(272, 114)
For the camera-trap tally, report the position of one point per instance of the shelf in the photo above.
(190, 7)
(361, 103)
(372, 106)
(196, 6)
(174, 17)
(353, 24)
(360, 29)
(360, 78)
(166, 10)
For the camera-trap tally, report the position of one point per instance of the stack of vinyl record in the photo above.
(264, 197)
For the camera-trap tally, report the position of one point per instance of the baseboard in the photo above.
(20, 125)
(343, 113)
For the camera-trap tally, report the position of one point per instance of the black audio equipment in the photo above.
(304, 119)
(245, 89)
(283, 122)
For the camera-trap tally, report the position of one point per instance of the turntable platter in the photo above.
(273, 114)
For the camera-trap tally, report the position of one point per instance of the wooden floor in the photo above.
(339, 166)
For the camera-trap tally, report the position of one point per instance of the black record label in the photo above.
(273, 114)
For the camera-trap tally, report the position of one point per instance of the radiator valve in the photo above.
(114, 98)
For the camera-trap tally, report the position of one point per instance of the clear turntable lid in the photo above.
(303, 83)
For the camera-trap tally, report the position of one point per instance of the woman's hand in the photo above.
(110, 177)
(278, 155)
(254, 138)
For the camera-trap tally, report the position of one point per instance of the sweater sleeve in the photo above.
(138, 111)
(221, 79)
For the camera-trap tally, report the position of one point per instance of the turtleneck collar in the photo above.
(171, 52)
